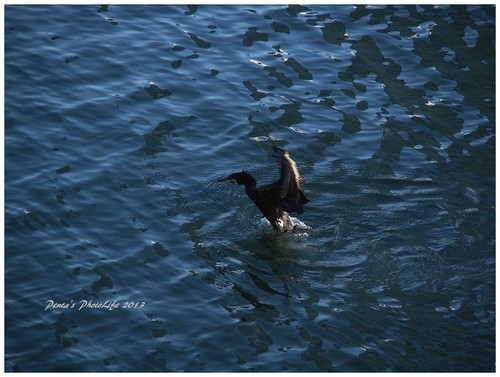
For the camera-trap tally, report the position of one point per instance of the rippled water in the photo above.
(120, 119)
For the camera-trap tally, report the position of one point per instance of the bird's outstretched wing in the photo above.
(291, 196)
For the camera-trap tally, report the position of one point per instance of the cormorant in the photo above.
(276, 200)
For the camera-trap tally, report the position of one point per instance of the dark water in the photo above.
(118, 122)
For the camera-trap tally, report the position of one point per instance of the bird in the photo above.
(276, 200)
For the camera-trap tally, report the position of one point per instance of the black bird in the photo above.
(277, 199)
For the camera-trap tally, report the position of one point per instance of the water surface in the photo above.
(120, 119)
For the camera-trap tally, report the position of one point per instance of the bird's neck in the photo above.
(251, 188)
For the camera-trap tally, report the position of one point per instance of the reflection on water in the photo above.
(119, 124)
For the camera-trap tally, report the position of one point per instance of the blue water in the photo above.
(119, 120)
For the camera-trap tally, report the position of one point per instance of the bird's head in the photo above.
(241, 178)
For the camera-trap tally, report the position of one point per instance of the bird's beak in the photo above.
(226, 180)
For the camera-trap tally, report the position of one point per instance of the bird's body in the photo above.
(277, 199)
